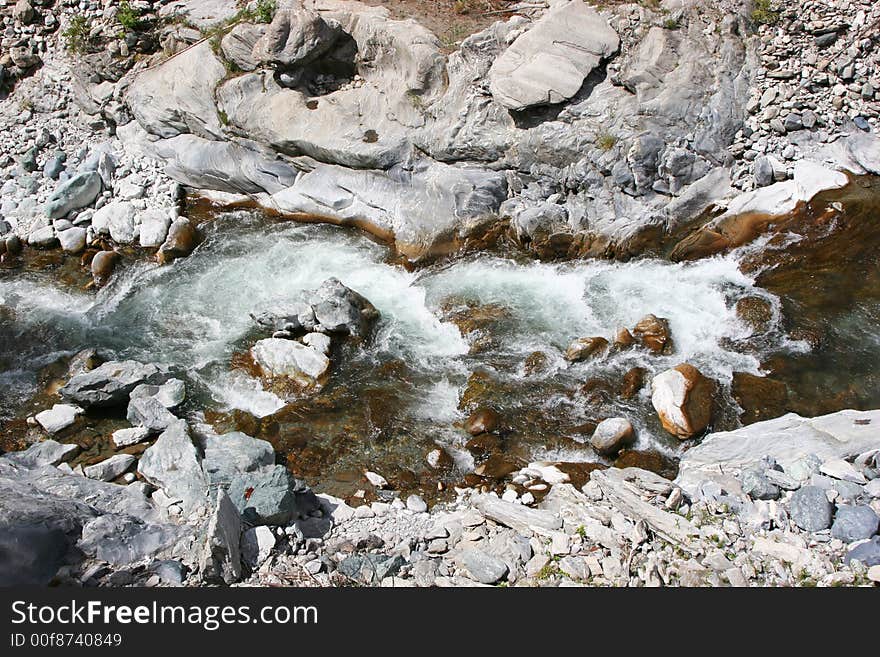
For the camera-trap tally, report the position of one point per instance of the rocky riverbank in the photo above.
(680, 128)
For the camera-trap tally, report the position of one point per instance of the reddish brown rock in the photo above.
(684, 400)
(483, 420)
(102, 265)
(633, 381)
(760, 397)
(653, 333)
(584, 348)
(179, 243)
(623, 339)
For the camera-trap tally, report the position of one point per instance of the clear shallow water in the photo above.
(195, 314)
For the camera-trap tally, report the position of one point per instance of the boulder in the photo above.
(153, 228)
(150, 413)
(256, 545)
(339, 309)
(220, 559)
(483, 567)
(57, 418)
(612, 435)
(232, 454)
(653, 333)
(179, 243)
(45, 452)
(238, 45)
(271, 496)
(170, 394)
(172, 464)
(483, 420)
(102, 265)
(73, 239)
(584, 348)
(110, 384)
(116, 213)
(683, 399)
(110, 469)
(295, 37)
(549, 63)
(74, 193)
(304, 365)
(43, 237)
(132, 436)
(810, 509)
(854, 523)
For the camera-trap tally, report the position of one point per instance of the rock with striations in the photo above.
(339, 309)
(683, 399)
(220, 559)
(110, 384)
(110, 469)
(295, 37)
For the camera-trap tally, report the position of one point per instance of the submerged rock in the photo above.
(179, 243)
(653, 333)
(584, 348)
(683, 399)
(102, 266)
(612, 435)
(483, 420)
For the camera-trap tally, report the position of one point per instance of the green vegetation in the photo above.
(670, 24)
(129, 17)
(764, 13)
(76, 36)
(265, 11)
(606, 141)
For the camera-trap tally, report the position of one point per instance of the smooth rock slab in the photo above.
(57, 418)
(810, 509)
(132, 436)
(109, 384)
(45, 452)
(549, 63)
(483, 567)
(110, 469)
(77, 192)
(854, 523)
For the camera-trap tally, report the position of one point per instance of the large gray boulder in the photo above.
(110, 384)
(296, 36)
(238, 45)
(271, 496)
(77, 192)
(172, 464)
(231, 454)
(549, 63)
(339, 309)
(221, 556)
(810, 509)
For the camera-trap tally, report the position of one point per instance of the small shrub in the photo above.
(129, 17)
(764, 13)
(670, 24)
(606, 141)
(265, 11)
(76, 36)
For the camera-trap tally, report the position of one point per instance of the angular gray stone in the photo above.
(271, 496)
(854, 523)
(77, 192)
(238, 45)
(150, 413)
(370, 568)
(132, 436)
(757, 486)
(72, 240)
(110, 384)
(172, 463)
(232, 454)
(110, 469)
(170, 394)
(483, 567)
(339, 309)
(221, 556)
(45, 452)
(868, 552)
(256, 545)
(810, 509)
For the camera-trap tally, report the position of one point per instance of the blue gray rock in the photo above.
(148, 412)
(78, 192)
(220, 559)
(854, 523)
(370, 568)
(810, 509)
(172, 463)
(868, 552)
(271, 496)
(232, 454)
(483, 567)
(756, 485)
(110, 384)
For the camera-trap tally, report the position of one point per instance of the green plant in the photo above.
(606, 141)
(129, 17)
(76, 36)
(670, 24)
(763, 13)
(265, 11)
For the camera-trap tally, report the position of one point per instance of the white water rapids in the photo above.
(194, 314)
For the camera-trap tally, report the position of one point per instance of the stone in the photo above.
(416, 504)
(286, 358)
(840, 469)
(103, 264)
(109, 384)
(271, 496)
(77, 192)
(238, 45)
(42, 238)
(319, 341)
(370, 568)
(612, 435)
(683, 399)
(584, 348)
(169, 394)
(116, 213)
(548, 63)
(179, 243)
(231, 454)
(868, 552)
(72, 240)
(483, 567)
(256, 545)
(148, 412)
(46, 452)
(810, 509)
(339, 309)
(653, 333)
(483, 420)
(153, 228)
(110, 469)
(296, 36)
(756, 485)
(58, 418)
(854, 523)
(172, 464)
(132, 436)
(516, 516)
(221, 556)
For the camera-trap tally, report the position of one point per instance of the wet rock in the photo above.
(110, 384)
(584, 348)
(549, 62)
(612, 435)
(483, 567)
(623, 339)
(483, 444)
(810, 509)
(153, 228)
(497, 466)
(536, 363)
(303, 365)
(683, 399)
(220, 559)
(651, 461)
(58, 418)
(756, 312)
(319, 341)
(633, 382)
(172, 464)
(77, 192)
(653, 333)
(339, 309)
(170, 394)
(110, 469)
(271, 496)
(231, 454)
(102, 265)
(179, 243)
(484, 420)
(760, 397)
(854, 523)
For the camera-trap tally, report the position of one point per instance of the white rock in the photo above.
(277, 357)
(376, 479)
(840, 469)
(109, 469)
(154, 228)
(59, 417)
(319, 341)
(132, 436)
(256, 545)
